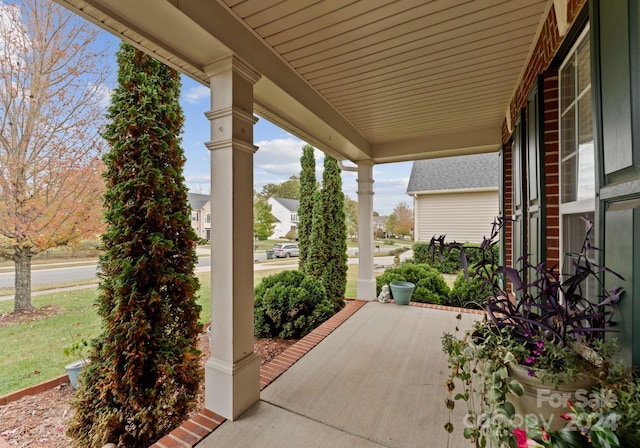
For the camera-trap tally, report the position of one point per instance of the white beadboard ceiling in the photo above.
(378, 80)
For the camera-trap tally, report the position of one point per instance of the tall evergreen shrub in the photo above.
(329, 235)
(144, 373)
(308, 188)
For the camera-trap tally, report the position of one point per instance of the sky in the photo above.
(278, 156)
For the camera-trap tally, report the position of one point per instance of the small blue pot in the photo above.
(73, 370)
(401, 292)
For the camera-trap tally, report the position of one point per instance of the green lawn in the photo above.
(33, 351)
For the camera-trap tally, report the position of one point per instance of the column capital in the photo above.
(232, 62)
(233, 143)
(365, 178)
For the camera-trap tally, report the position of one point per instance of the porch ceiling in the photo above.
(377, 79)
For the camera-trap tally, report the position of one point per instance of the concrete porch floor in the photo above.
(376, 381)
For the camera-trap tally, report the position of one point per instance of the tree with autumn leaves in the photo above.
(144, 373)
(52, 103)
(400, 222)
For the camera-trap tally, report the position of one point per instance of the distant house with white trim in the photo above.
(285, 211)
(456, 196)
(200, 214)
(380, 226)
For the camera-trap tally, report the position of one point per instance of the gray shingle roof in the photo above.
(454, 173)
(290, 204)
(197, 201)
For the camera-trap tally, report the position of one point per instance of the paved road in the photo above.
(67, 272)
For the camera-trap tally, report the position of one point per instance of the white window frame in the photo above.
(582, 206)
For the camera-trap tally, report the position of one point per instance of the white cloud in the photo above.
(102, 94)
(196, 93)
(14, 41)
(279, 158)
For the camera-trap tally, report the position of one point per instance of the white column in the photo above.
(366, 279)
(232, 374)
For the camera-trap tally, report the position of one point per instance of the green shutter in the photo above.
(535, 208)
(519, 189)
(615, 43)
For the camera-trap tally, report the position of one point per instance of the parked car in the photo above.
(286, 250)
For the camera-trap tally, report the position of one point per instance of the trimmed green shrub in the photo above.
(430, 286)
(398, 250)
(421, 253)
(431, 289)
(289, 305)
(471, 293)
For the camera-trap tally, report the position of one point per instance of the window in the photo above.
(577, 157)
(194, 216)
(294, 217)
(207, 219)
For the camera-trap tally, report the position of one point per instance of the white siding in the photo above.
(283, 215)
(461, 216)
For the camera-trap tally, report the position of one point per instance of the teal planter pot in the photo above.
(401, 292)
(73, 370)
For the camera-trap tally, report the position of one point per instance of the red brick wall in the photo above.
(551, 166)
(546, 48)
(508, 203)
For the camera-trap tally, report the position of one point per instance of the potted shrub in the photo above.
(516, 367)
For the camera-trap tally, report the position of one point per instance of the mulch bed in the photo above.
(39, 421)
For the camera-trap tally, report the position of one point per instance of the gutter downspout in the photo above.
(342, 166)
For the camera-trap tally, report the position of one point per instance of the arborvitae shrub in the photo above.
(289, 305)
(145, 370)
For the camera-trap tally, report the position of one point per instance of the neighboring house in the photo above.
(285, 211)
(456, 196)
(380, 226)
(200, 214)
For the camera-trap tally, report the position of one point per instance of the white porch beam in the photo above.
(445, 145)
(366, 287)
(232, 374)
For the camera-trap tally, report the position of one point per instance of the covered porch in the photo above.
(380, 81)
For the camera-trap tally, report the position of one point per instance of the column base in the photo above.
(366, 289)
(231, 389)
